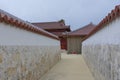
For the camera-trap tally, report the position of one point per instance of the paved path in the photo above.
(71, 67)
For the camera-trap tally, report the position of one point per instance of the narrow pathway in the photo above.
(71, 67)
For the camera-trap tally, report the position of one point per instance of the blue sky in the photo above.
(76, 13)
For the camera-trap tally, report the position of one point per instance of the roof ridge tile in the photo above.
(10, 19)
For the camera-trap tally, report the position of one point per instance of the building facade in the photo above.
(74, 38)
(58, 28)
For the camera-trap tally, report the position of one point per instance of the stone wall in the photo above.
(27, 62)
(26, 52)
(103, 60)
(101, 51)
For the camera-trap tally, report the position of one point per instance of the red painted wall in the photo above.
(63, 42)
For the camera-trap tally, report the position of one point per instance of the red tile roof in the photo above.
(114, 14)
(82, 31)
(17, 22)
(58, 33)
(52, 25)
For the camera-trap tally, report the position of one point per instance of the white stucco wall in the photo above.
(110, 34)
(102, 52)
(26, 55)
(10, 35)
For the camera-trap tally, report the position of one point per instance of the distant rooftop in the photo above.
(82, 31)
(52, 25)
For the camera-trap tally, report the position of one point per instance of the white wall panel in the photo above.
(10, 35)
(110, 34)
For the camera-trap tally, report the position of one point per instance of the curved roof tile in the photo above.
(82, 31)
(108, 19)
(52, 25)
(17, 22)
